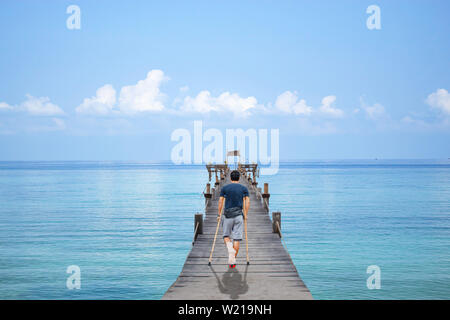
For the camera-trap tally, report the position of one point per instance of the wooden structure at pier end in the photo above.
(271, 275)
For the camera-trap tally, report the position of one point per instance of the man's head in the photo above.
(234, 175)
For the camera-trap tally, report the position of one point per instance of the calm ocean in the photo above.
(129, 226)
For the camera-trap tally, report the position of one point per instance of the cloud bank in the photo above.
(146, 96)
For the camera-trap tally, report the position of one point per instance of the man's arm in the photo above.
(246, 206)
(221, 201)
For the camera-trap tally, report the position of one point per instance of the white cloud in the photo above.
(373, 112)
(4, 106)
(102, 103)
(144, 96)
(141, 97)
(184, 89)
(35, 106)
(420, 124)
(226, 102)
(287, 102)
(416, 122)
(202, 103)
(440, 100)
(60, 123)
(410, 120)
(327, 109)
(40, 106)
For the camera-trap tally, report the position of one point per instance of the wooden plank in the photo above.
(251, 268)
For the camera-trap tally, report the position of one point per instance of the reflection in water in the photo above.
(232, 282)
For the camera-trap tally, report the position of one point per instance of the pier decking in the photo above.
(270, 274)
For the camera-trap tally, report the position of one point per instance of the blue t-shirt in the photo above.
(234, 194)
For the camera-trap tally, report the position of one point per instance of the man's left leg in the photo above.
(236, 246)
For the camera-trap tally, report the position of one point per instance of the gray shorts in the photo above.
(233, 227)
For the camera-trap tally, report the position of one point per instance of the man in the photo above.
(236, 209)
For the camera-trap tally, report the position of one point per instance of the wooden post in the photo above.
(207, 194)
(198, 225)
(276, 217)
(266, 194)
(216, 184)
(254, 183)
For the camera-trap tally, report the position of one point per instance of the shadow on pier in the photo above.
(232, 283)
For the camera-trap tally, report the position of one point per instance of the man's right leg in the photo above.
(237, 232)
(231, 251)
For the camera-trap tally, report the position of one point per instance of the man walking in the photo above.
(237, 203)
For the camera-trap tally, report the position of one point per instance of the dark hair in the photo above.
(234, 175)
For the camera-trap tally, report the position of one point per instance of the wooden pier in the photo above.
(271, 275)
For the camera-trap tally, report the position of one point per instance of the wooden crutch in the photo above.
(246, 239)
(215, 236)
(214, 242)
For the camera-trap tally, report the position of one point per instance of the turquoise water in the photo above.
(129, 226)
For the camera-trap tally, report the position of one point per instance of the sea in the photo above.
(126, 227)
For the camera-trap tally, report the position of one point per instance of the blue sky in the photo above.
(137, 70)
